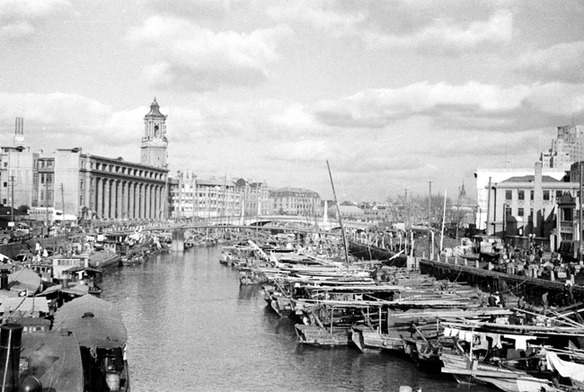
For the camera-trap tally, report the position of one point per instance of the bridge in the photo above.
(301, 221)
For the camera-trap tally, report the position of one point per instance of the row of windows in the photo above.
(521, 194)
(521, 211)
(126, 170)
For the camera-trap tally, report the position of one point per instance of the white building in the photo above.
(488, 176)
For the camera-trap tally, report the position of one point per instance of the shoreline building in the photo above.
(486, 179)
(255, 196)
(295, 201)
(90, 186)
(197, 198)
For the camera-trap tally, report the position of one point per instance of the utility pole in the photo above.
(63, 201)
(46, 202)
(406, 210)
(12, 201)
(580, 213)
(430, 204)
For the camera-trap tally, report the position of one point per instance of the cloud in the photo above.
(468, 106)
(195, 59)
(561, 62)
(403, 25)
(19, 18)
(446, 36)
(191, 9)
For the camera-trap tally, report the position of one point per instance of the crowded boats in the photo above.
(485, 335)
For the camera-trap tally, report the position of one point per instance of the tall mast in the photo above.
(339, 214)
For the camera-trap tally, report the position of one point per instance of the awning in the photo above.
(24, 304)
(94, 321)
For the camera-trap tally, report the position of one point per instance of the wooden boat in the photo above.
(100, 332)
(319, 336)
(511, 357)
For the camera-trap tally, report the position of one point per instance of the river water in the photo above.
(191, 327)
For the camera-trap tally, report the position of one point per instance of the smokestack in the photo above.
(19, 131)
(10, 342)
(4, 279)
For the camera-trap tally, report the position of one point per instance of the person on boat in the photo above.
(544, 301)
(521, 302)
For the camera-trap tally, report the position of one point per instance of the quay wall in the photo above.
(366, 252)
(457, 269)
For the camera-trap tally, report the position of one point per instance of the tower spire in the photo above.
(154, 142)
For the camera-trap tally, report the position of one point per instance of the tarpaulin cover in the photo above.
(55, 359)
(94, 321)
(75, 289)
(25, 279)
(24, 305)
(573, 370)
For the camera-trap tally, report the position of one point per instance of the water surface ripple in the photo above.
(191, 327)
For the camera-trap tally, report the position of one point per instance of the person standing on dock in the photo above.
(521, 302)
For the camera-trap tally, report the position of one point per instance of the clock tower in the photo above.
(154, 142)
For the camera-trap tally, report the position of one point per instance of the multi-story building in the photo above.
(524, 205)
(255, 197)
(566, 148)
(90, 186)
(17, 174)
(376, 212)
(486, 178)
(295, 201)
(211, 198)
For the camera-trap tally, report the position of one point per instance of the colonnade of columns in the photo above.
(126, 199)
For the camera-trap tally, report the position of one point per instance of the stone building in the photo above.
(90, 186)
(255, 197)
(528, 205)
(295, 201)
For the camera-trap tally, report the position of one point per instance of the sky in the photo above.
(394, 95)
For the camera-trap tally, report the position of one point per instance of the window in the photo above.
(558, 194)
(531, 195)
(521, 194)
(520, 212)
(508, 194)
(5, 185)
(546, 195)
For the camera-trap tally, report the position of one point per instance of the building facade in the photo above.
(90, 186)
(487, 178)
(295, 201)
(154, 143)
(198, 198)
(532, 205)
(255, 196)
(566, 148)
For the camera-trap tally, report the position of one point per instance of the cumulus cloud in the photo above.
(195, 59)
(19, 18)
(402, 25)
(59, 120)
(446, 36)
(469, 106)
(561, 62)
(379, 107)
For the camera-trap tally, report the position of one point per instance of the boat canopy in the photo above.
(95, 322)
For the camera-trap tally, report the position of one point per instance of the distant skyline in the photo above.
(393, 94)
